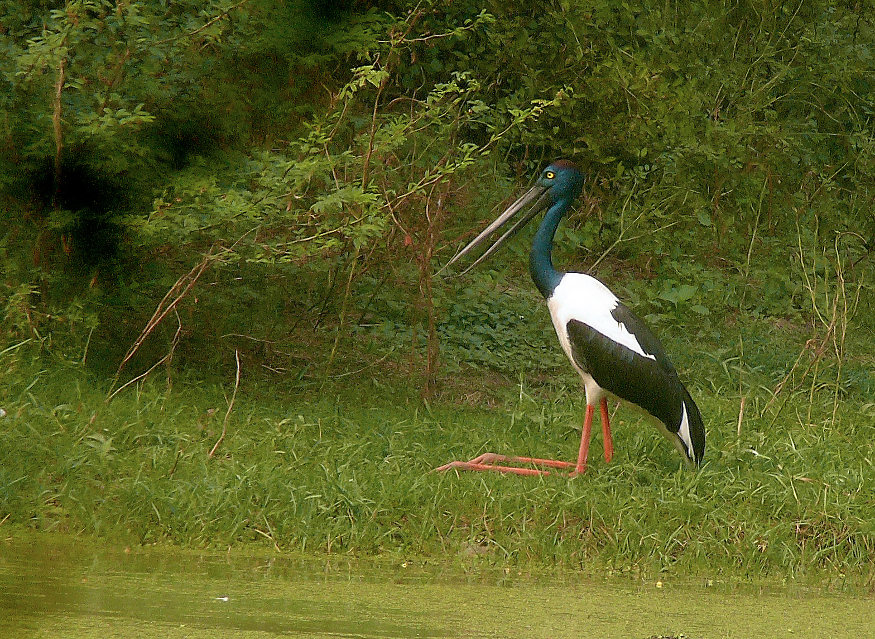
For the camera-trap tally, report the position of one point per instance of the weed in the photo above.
(347, 471)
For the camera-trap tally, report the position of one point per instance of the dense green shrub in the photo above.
(327, 161)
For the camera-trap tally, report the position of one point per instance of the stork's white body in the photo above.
(585, 299)
(610, 347)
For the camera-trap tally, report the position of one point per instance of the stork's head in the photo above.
(559, 183)
(562, 179)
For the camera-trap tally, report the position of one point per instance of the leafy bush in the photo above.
(335, 157)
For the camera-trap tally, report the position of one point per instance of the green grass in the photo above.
(345, 469)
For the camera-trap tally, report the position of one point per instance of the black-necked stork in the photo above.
(612, 349)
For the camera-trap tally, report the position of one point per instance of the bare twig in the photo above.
(835, 320)
(740, 416)
(363, 368)
(230, 406)
(343, 309)
(56, 127)
(367, 160)
(166, 358)
(175, 463)
(623, 228)
(206, 25)
(169, 302)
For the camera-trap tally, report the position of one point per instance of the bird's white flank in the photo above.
(684, 432)
(585, 299)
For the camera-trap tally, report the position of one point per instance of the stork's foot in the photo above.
(492, 461)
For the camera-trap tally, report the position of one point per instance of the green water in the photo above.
(67, 589)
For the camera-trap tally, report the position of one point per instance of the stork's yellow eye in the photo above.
(549, 175)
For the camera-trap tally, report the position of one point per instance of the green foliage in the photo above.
(691, 139)
(504, 330)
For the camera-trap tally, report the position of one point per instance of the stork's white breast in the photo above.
(585, 299)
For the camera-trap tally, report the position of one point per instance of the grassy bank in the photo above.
(341, 468)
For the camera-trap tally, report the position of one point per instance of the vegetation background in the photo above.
(221, 322)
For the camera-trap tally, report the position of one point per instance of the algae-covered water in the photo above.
(52, 588)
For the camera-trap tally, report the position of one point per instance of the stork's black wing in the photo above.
(648, 341)
(651, 383)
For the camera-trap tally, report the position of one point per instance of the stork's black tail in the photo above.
(691, 430)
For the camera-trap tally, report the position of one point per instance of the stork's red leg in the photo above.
(487, 461)
(491, 458)
(606, 431)
(472, 465)
(584, 440)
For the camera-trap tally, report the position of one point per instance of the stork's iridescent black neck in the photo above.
(563, 183)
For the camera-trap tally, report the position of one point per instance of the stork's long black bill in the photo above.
(541, 199)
